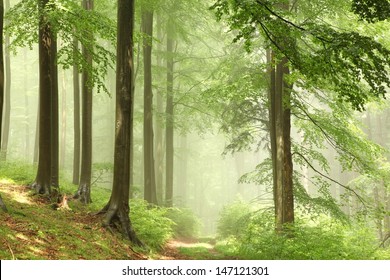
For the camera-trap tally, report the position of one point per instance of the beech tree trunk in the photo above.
(76, 120)
(149, 174)
(159, 145)
(6, 95)
(1, 70)
(42, 183)
(169, 123)
(54, 112)
(117, 210)
(84, 190)
(280, 138)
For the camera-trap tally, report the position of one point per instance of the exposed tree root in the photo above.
(118, 218)
(39, 188)
(83, 194)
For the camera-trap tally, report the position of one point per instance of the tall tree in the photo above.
(117, 209)
(76, 119)
(42, 183)
(1, 67)
(6, 96)
(54, 113)
(169, 111)
(149, 171)
(84, 190)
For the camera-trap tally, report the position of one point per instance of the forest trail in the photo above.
(191, 249)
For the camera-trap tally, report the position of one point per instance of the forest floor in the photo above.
(32, 229)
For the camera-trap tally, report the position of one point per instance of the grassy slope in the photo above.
(33, 230)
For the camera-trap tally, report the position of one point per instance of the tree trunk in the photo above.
(117, 209)
(169, 123)
(54, 116)
(1, 71)
(76, 120)
(26, 110)
(149, 175)
(159, 145)
(280, 138)
(6, 94)
(42, 183)
(84, 190)
(63, 121)
(288, 191)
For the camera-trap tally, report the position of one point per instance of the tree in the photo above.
(84, 190)
(76, 117)
(1, 67)
(42, 183)
(117, 209)
(6, 95)
(319, 56)
(169, 111)
(149, 171)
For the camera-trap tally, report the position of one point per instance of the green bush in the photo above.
(186, 223)
(254, 237)
(150, 223)
(233, 219)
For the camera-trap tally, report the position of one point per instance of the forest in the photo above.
(198, 130)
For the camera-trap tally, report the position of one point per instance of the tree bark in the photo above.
(149, 172)
(6, 103)
(159, 145)
(76, 120)
(54, 112)
(84, 190)
(169, 123)
(42, 183)
(1, 71)
(117, 209)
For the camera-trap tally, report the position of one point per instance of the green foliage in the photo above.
(69, 21)
(314, 238)
(233, 219)
(186, 223)
(372, 10)
(150, 223)
(18, 172)
(354, 65)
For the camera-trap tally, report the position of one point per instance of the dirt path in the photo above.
(189, 249)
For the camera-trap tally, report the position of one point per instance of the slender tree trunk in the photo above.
(63, 121)
(36, 139)
(84, 190)
(76, 120)
(169, 123)
(6, 115)
(54, 116)
(1, 72)
(117, 209)
(288, 191)
(42, 183)
(159, 148)
(149, 175)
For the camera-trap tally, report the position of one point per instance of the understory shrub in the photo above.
(322, 238)
(233, 219)
(186, 223)
(150, 223)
